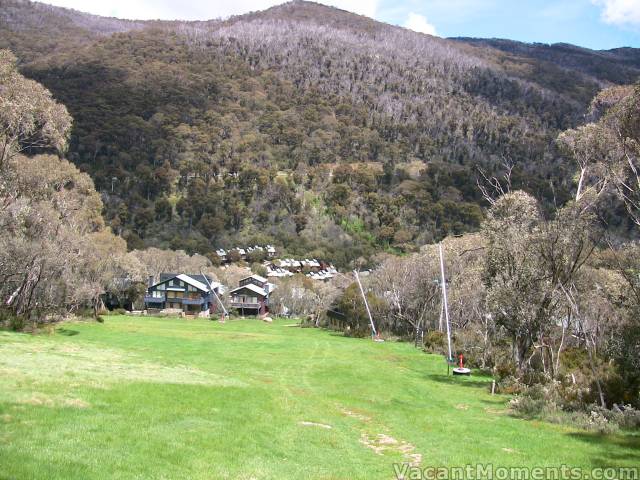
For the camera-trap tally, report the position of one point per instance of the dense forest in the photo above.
(323, 132)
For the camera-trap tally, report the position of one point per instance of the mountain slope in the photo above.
(619, 65)
(313, 128)
(562, 67)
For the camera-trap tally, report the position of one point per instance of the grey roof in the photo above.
(256, 277)
(193, 282)
(200, 278)
(197, 281)
(253, 288)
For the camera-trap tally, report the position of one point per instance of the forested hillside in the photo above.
(323, 132)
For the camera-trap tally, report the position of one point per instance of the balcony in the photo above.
(193, 301)
(245, 305)
(150, 299)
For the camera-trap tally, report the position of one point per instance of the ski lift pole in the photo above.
(224, 310)
(366, 304)
(444, 300)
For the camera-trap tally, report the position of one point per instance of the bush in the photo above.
(436, 342)
(504, 370)
(510, 385)
(88, 314)
(84, 313)
(350, 304)
(574, 358)
(529, 407)
(624, 416)
(259, 269)
(545, 402)
(9, 320)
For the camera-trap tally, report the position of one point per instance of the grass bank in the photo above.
(193, 399)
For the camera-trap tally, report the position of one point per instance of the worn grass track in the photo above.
(157, 398)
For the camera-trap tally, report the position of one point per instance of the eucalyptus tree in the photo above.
(55, 252)
(29, 117)
(531, 262)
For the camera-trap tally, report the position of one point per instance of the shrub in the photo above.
(350, 304)
(84, 313)
(504, 370)
(528, 407)
(546, 402)
(510, 385)
(10, 320)
(574, 358)
(88, 314)
(435, 342)
(258, 269)
(624, 416)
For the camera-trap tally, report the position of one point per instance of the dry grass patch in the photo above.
(40, 361)
(382, 443)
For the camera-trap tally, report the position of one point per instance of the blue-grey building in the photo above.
(189, 293)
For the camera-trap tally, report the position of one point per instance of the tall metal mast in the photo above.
(226, 313)
(366, 304)
(444, 298)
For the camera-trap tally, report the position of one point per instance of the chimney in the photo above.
(150, 283)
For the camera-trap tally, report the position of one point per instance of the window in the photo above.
(157, 294)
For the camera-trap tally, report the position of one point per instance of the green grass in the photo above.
(153, 398)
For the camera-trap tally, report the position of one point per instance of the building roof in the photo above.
(193, 282)
(257, 278)
(278, 272)
(323, 274)
(200, 278)
(290, 262)
(254, 288)
(196, 282)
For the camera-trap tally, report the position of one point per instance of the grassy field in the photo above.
(152, 398)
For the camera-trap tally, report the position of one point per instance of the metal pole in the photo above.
(366, 304)
(224, 310)
(444, 299)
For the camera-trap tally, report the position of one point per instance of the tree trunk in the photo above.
(583, 171)
(592, 364)
(564, 330)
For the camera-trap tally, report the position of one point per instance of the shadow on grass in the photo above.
(67, 332)
(616, 449)
(333, 333)
(460, 381)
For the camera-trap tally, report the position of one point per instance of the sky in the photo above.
(597, 24)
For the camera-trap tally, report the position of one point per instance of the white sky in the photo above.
(419, 23)
(620, 12)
